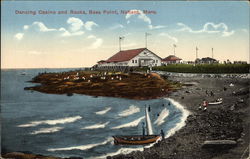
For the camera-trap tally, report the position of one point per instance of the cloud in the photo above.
(117, 26)
(91, 37)
(66, 33)
(89, 24)
(169, 36)
(156, 27)
(41, 27)
(140, 15)
(96, 44)
(26, 27)
(75, 24)
(19, 36)
(209, 28)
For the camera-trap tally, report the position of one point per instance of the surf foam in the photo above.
(83, 147)
(52, 122)
(131, 110)
(185, 114)
(164, 114)
(120, 151)
(97, 126)
(46, 130)
(103, 111)
(130, 124)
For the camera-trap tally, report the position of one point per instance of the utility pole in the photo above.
(174, 48)
(212, 52)
(196, 52)
(146, 39)
(120, 39)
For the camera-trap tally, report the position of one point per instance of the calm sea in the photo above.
(78, 125)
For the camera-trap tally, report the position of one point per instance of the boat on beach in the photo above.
(218, 101)
(139, 139)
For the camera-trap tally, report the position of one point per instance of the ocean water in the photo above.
(78, 125)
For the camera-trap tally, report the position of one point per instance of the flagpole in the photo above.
(146, 40)
(119, 43)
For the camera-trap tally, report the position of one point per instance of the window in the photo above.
(132, 61)
(156, 61)
(135, 61)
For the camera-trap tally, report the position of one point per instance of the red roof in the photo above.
(171, 58)
(125, 55)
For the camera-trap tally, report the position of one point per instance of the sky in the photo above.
(49, 34)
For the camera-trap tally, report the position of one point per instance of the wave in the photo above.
(185, 114)
(46, 130)
(164, 114)
(96, 126)
(83, 147)
(130, 124)
(103, 111)
(131, 110)
(120, 151)
(52, 122)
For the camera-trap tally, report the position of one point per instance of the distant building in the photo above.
(132, 58)
(171, 59)
(206, 60)
(240, 62)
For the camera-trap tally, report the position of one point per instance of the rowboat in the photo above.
(136, 139)
(218, 101)
(139, 139)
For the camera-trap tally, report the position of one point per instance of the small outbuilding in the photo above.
(171, 59)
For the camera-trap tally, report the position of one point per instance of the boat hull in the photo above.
(135, 140)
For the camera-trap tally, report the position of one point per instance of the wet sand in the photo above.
(227, 121)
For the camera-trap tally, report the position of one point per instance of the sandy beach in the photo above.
(227, 121)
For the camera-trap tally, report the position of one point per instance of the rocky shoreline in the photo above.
(138, 86)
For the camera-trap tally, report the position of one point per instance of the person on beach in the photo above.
(205, 104)
(143, 129)
(162, 134)
(149, 108)
(212, 94)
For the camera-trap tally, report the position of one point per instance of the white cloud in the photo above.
(140, 15)
(91, 37)
(169, 36)
(75, 24)
(208, 28)
(26, 27)
(156, 27)
(19, 36)
(117, 26)
(89, 24)
(66, 33)
(42, 27)
(96, 44)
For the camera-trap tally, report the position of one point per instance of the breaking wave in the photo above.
(83, 147)
(185, 114)
(130, 124)
(96, 126)
(46, 130)
(131, 110)
(103, 111)
(52, 122)
(164, 114)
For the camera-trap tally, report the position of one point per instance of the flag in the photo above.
(174, 45)
(147, 34)
(121, 38)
